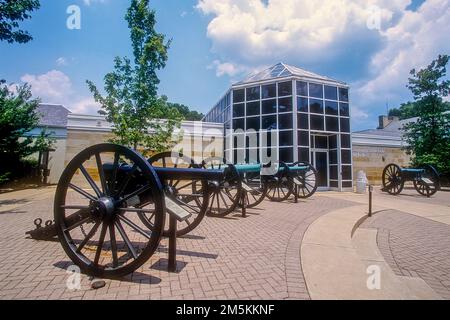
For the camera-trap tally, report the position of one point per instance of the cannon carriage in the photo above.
(425, 179)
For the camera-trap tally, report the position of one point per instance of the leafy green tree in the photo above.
(11, 13)
(131, 102)
(410, 110)
(428, 139)
(186, 112)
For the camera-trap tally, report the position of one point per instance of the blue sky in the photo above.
(217, 42)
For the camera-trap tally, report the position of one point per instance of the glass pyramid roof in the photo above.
(282, 70)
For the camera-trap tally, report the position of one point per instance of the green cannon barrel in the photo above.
(299, 168)
(248, 168)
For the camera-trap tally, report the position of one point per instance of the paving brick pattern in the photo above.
(257, 257)
(415, 247)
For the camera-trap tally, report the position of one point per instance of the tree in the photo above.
(186, 112)
(11, 13)
(131, 102)
(410, 110)
(428, 138)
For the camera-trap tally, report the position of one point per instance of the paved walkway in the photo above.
(257, 257)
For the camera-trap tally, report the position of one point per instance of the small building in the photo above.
(309, 115)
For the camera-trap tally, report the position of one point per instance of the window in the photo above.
(331, 107)
(285, 105)
(269, 106)
(346, 157)
(253, 123)
(286, 155)
(238, 124)
(347, 184)
(315, 90)
(285, 89)
(253, 108)
(346, 173)
(334, 184)
(253, 93)
(345, 141)
(302, 88)
(332, 123)
(343, 94)
(334, 172)
(238, 110)
(286, 138)
(330, 93)
(303, 154)
(333, 157)
(332, 140)
(252, 156)
(238, 95)
(302, 104)
(302, 121)
(344, 109)
(239, 141)
(316, 122)
(316, 106)
(345, 125)
(269, 122)
(269, 91)
(321, 142)
(285, 121)
(303, 138)
(252, 139)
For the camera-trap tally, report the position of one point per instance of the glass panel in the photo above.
(286, 154)
(303, 154)
(322, 168)
(344, 109)
(347, 184)
(302, 88)
(253, 93)
(346, 172)
(252, 140)
(333, 157)
(321, 142)
(334, 184)
(252, 156)
(238, 124)
(316, 122)
(285, 121)
(302, 104)
(316, 106)
(269, 122)
(345, 125)
(345, 141)
(334, 172)
(253, 108)
(332, 140)
(315, 90)
(286, 138)
(285, 105)
(266, 138)
(343, 94)
(330, 93)
(238, 141)
(332, 123)
(303, 138)
(346, 157)
(285, 89)
(238, 95)
(253, 123)
(269, 91)
(238, 110)
(331, 107)
(269, 106)
(302, 121)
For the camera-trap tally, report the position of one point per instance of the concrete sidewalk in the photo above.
(11, 201)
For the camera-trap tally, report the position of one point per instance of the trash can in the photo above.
(361, 182)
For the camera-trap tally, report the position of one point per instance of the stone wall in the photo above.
(373, 159)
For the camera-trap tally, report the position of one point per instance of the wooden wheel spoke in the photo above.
(134, 226)
(100, 243)
(126, 239)
(82, 192)
(88, 236)
(112, 239)
(91, 181)
(101, 173)
(137, 192)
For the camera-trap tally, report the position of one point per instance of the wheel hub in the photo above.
(104, 207)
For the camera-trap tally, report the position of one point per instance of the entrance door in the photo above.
(320, 162)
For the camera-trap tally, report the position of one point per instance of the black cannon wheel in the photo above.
(307, 182)
(280, 186)
(392, 179)
(181, 192)
(224, 196)
(257, 189)
(425, 189)
(95, 216)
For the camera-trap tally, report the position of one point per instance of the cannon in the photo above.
(425, 179)
(111, 204)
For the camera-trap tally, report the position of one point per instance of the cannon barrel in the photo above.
(190, 174)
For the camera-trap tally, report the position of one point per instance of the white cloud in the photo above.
(89, 2)
(183, 14)
(61, 61)
(56, 87)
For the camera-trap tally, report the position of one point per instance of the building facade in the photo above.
(289, 114)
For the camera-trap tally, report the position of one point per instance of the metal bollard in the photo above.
(296, 193)
(370, 200)
(172, 267)
(244, 203)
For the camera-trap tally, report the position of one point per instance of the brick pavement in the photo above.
(257, 257)
(415, 247)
